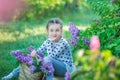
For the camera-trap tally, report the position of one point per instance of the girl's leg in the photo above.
(14, 73)
(60, 68)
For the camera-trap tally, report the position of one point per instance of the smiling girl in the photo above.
(58, 50)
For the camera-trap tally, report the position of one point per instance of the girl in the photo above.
(58, 49)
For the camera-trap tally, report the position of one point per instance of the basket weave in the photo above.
(26, 75)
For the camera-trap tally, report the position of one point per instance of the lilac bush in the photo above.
(74, 31)
(78, 38)
(86, 40)
(73, 41)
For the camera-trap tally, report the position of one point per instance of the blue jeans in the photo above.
(59, 67)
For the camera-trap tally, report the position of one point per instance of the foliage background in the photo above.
(98, 17)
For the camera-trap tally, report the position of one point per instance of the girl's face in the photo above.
(55, 32)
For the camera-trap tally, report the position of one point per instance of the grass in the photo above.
(20, 35)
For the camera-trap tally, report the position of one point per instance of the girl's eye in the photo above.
(51, 30)
(57, 30)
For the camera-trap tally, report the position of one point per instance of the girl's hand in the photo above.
(34, 53)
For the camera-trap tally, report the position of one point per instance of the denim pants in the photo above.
(59, 67)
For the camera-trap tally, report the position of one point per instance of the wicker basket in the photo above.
(26, 75)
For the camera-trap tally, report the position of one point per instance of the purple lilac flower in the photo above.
(23, 59)
(30, 62)
(73, 41)
(43, 69)
(40, 54)
(27, 59)
(19, 58)
(86, 41)
(30, 48)
(73, 30)
(47, 66)
(32, 68)
(67, 76)
(16, 53)
(40, 57)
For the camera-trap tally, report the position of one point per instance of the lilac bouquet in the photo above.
(34, 64)
(47, 68)
(67, 76)
(77, 37)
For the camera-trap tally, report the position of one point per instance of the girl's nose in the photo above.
(54, 32)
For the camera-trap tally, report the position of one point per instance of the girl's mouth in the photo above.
(55, 36)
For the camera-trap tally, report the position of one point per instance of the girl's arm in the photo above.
(42, 48)
(33, 53)
(39, 51)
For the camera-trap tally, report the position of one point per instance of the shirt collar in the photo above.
(61, 39)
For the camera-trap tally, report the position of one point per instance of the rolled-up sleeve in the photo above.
(42, 48)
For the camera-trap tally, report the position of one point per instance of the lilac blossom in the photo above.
(47, 67)
(73, 41)
(22, 58)
(73, 30)
(16, 53)
(27, 59)
(40, 54)
(40, 59)
(86, 41)
(67, 76)
(19, 58)
(30, 48)
(32, 68)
